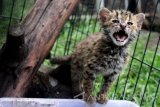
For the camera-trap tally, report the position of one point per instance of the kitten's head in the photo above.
(122, 26)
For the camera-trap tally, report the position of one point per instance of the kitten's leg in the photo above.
(102, 95)
(88, 86)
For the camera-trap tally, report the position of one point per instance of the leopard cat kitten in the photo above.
(104, 53)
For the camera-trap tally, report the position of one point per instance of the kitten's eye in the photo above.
(115, 21)
(129, 23)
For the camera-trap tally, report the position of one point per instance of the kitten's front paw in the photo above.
(102, 99)
(90, 99)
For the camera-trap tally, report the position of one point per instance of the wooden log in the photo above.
(42, 26)
(12, 53)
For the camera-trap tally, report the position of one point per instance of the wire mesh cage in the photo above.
(140, 81)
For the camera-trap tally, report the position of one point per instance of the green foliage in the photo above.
(16, 8)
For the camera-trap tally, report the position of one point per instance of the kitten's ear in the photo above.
(104, 13)
(140, 19)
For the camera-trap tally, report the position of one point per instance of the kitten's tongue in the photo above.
(120, 38)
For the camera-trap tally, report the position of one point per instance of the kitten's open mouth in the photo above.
(120, 36)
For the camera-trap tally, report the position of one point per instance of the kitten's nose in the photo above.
(123, 26)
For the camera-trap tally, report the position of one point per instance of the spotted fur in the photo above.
(104, 53)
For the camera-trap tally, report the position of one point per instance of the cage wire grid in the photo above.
(140, 82)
